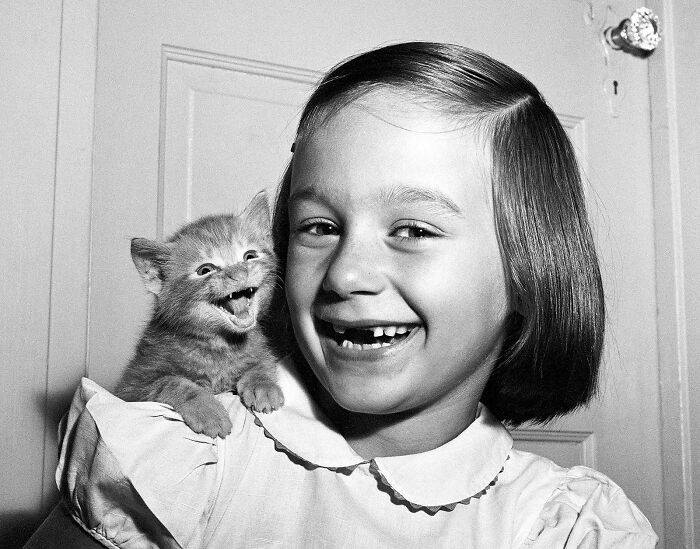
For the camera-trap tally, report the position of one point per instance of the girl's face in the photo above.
(394, 278)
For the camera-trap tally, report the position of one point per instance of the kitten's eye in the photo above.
(206, 269)
(250, 254)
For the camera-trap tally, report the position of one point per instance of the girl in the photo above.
(440, 279)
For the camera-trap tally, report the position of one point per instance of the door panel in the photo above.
(228, 122)
(567, 448)
(195, 109)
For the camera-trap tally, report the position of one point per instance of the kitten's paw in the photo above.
(263, 397)
(204, 414)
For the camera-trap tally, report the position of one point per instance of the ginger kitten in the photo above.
(212, 281)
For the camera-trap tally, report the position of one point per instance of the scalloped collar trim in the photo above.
(456, 472)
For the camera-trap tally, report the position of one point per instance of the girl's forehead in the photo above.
(406, 110)
(383, 141)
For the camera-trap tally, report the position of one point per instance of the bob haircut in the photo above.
(549, 362)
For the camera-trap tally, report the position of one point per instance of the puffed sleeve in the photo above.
(134, 475)
(589, 511)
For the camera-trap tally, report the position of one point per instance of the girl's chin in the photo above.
(366, 397)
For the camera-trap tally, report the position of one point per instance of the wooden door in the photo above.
(195, 107)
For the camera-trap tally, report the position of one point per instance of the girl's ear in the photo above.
(257, 212)
(149, 257)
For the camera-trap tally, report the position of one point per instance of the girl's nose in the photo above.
(354, 269)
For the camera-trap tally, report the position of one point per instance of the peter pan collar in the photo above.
(451, 474)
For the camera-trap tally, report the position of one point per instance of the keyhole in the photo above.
(615, 84)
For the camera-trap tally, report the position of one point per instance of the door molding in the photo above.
(70, 260)
(175, 193)
(674, 202)
(582, 441)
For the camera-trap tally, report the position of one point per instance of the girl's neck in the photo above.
(403, 433)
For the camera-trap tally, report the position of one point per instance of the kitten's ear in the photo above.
(149, 257)
(258, 211)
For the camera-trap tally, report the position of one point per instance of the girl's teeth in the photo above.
(362, 346)
(377, 331)
(389, 331)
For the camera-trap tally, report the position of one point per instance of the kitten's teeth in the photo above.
(390, 331)
(347, 344)
(376, 332)
(401, 329)
(339, 329)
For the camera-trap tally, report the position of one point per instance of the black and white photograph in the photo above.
(349, 275)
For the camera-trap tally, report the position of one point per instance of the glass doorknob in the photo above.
(639, 33)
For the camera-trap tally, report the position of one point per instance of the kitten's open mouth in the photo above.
(237, 308)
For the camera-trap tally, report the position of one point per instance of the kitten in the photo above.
(212, 281)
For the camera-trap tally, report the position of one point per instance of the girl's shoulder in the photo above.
(134, 469)
(577, 504)
(123, 466)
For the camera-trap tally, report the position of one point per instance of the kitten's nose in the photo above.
(237, 275)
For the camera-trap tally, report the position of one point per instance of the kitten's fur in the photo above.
(198, 342)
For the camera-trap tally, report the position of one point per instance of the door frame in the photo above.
(676, 203)
(70, 260)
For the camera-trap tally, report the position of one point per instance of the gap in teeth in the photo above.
(364, 339)
(377, 331)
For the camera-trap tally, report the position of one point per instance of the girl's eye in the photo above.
(250, 254)
(414, 232)
(206, 269)
(319, 228)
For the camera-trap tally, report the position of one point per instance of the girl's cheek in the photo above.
(303, 273)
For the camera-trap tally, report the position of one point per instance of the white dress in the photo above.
(136, 476)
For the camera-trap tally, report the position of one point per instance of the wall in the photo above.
(46, 83)
(29, 80)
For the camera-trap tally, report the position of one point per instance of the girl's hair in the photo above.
(553, 338)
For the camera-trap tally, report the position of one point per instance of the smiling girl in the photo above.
(441, 280)
(395, 283)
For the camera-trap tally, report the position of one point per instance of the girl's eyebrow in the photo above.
(396, 194)
(310, 193)
(408, 194)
